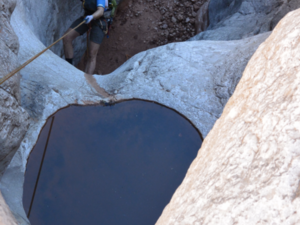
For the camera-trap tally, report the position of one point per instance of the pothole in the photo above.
(109, 165)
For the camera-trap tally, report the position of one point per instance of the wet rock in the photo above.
(248, 165)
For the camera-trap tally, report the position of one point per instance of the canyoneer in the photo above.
(98, 17)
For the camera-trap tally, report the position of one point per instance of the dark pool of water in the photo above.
(114, 165)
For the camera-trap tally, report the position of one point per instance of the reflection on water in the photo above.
(115, 165)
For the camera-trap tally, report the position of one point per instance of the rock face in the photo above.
(56, 17)
(194, 78)
(14, 120)
(6, 217)
(247, 171)
(237, 19)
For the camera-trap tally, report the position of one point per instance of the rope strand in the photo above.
(33, 58)
(41, 166)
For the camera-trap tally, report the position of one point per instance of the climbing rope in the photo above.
(41, 166)
(33, 58)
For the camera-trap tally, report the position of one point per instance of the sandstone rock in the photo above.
(194, 78)
(247, 170)
(6, 217)
(14, 123)
(56, 18)
(14, 120)
(9, 48)
(48, 84)
(185, 76)
(233, 20)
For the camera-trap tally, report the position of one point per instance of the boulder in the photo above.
(237, 19)
(248, 168)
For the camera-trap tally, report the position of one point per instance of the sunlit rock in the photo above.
(247, 170)
(6, 217)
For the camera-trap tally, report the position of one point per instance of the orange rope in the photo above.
(33, 58)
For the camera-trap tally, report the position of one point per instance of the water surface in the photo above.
(114, 165)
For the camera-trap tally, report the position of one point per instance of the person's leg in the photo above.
(96, 38)
(68, 47)
(92, 56)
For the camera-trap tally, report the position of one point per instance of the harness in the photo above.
(106, 20)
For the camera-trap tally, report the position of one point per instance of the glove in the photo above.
(88, 19)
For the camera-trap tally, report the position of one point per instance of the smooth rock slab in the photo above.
(248, 168)
(194, 78)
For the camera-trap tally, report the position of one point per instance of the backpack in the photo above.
(108, 16)
(112, 7)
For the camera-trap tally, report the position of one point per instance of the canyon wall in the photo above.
(237, 19)
(14, 120)
(247, 170)
(194, 78)
(50, 19)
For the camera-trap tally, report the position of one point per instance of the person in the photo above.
(94, 10)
